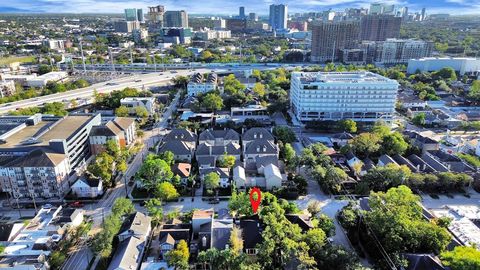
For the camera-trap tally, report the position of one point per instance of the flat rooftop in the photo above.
(341, 77)
(41, 133)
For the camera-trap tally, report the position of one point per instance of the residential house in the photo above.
(251, 234)
(434, 162)
(341, 139)
(181, 142)
(88, 187)
(209, 232)
(206, 162)
(260, 148)
(217, 151)
(132, 241)
(403, 161)
(255, 111)
(384, 160)
(121, 129)
(254, 134)
(421, 164)
(354, 162)
(452, 162)
(423, 142)
(222, 172)
(183, 170)
(132, 103)
(166, 238)
(222, 137)
(268, 177)
(303, 221)
(35, 240)
(423, 262)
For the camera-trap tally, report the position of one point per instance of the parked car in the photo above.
(76, 204)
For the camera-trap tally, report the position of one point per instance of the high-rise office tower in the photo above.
(278, 16)
(380, 27)
(328, 38)
(241, 12)
(424, 14)
(253, 16)
(376, 8)
(131, 14)
(178, 18)
(140, 15)
(155, 14)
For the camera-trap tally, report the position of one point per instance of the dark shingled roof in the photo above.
(37, 158)
(226, 134)
(256, 133)
(423, 262)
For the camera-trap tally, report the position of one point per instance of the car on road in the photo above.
(111, 83)
(76, 204)
(173, 71)
(47, 206)
(138, 80)
(8, 104)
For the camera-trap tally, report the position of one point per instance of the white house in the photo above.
(133, 102)
(87, 188)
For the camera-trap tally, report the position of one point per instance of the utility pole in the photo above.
(111, 59)
(154, 63)
(83, 58)
(131, 57)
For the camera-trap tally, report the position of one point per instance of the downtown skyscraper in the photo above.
(278, 16)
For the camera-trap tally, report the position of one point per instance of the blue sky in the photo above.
(227, 6)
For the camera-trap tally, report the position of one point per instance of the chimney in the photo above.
(258, 148)
(264, 148)
(255, 135)
(261, 135)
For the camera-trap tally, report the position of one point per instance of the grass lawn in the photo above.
(12, 59)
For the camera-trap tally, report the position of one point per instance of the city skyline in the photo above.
(229, 6)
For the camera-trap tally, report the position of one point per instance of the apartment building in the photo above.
(380, 27)
(208, 34)
(462, 65)
(329, 38)
(198, 85)
(39, 153)
(361, 96)
(121, 129)
(390, 52)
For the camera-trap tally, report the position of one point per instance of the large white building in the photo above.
(462, 65)
(208, 34)
(361, 96)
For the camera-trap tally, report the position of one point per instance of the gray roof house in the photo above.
(256, 133)
(420, 164)
(434, 162)
(205, 150)
(182, 151)
(260, 148)
(132, 239)
(403, 161)
(219, 137)
(383, 160)
(224, 174)
(181, 134)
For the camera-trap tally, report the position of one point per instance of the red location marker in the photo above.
(255, 202)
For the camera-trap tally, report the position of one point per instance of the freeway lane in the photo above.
(137, 81)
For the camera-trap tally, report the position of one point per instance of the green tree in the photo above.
(259, 89)
(212, 101)
(288, 153)
(42, 69)
(326, 224)
(153, 171)
(179, 256)
(419, 119)
(394, 143)
(57, 258)
(226, 161)
(155, 211)
(102, 167)
(236, 241)
(284, 134)
(366, 144)
(212, 181)
(122, 206)
(441, 47)
(382, 178)
(462, 258)
(333, 179)
(168, 157)
(55, 108)
(447, 73)
(141, 112)
(165, 191)
(474, 92)
(348, 125)
(397, 221)
(122, 111)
